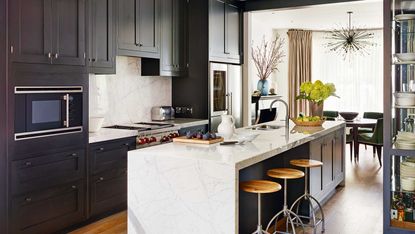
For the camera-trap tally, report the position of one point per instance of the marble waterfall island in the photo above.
(183, 188)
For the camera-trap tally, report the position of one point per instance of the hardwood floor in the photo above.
(354, 209)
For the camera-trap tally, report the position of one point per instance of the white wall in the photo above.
(127, 97)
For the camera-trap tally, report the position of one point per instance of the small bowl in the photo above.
(405, 57)
(246, 136)
(95, 123)
(405, 98)
(348, 116)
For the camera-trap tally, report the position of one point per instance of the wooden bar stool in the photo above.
(313, 220)
(285, 173)
(259, 187)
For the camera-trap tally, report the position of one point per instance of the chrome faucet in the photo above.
(287, 119)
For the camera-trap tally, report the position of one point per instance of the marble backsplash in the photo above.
(127, 97)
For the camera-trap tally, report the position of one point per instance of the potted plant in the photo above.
(316, 93)
(266, 57)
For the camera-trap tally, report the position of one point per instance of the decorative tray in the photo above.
(184, 139)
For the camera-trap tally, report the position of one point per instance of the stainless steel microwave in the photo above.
(42, 111)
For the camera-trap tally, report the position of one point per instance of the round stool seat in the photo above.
(260, 186)
(285, 173)
(307, 163)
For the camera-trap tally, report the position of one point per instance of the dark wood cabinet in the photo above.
(173, 37)
(108, 191)
(46, 171)
(329, 150)
(225, 23)
(47, 32)
(139, 28)
(48, 210)
(101, 36)
(173, 42)
(108, 175)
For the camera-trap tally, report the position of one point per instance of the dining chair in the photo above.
(349, 140)
(266, 115)
(370, 115)
(330, 115)
(374, 139)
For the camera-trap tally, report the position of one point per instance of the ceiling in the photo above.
(366, 14)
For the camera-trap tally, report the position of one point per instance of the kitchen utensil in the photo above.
(95, 123)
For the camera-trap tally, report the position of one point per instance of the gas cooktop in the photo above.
(123, 127)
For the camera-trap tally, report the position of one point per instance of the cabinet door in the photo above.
(29, 174)
(49, 210)
(173, 37)
(101, 56)
(147, 25)
(68, 32)
(108, 191)
(126, 26)
(338, 155)
(216, 29)
(327, 161)
(316, 174)
(30, 30)
(110, 155)
(232, 32)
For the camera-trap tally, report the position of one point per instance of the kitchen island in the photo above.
(186, 188)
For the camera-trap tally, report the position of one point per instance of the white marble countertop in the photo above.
(107, 134)
(268, 144)
(187, 188)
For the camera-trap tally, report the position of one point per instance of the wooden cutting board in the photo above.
(184, 139)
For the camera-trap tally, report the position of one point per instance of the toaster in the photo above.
(161, 113)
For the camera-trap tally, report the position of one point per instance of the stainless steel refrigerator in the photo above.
(225, 93)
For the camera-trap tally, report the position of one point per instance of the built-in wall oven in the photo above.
(47, 111)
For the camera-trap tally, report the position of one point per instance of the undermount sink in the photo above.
(267, 127)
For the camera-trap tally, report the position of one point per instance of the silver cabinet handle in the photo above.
(56, 56)
(66, 121)
(49, 55)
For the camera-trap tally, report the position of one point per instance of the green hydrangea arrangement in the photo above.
(316, 92)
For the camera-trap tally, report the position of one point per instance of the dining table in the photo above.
(355, 125)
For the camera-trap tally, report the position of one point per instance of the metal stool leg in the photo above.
(312, 216)
(259, 229)
(285, 212)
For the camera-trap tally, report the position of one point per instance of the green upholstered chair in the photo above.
(374, 139)
(331, 115)
(370, 115)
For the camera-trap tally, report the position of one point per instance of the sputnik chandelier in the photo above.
(350, 40)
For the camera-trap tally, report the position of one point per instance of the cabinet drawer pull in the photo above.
(49, 55)
(93, 60)
(56, 56)
(28, 199)
(100, 179)
(28, 164)
(101, 149)
(126, 144)
(73, 187)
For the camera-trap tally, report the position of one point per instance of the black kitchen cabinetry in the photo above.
(47, 32)
(49, 210)
(173, 41)
(108, 175)
(47, 192)
(101, 37)
(225, 37)
(139, 28)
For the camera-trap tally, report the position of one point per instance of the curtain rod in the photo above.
(365, 29)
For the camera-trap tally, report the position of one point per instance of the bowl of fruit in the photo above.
(309, 121)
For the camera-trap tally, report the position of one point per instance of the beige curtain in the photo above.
(299, 68)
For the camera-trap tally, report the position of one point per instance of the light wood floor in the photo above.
(354, 209)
